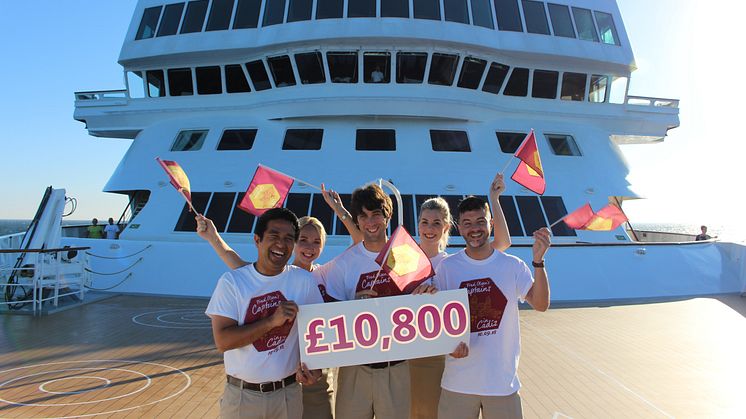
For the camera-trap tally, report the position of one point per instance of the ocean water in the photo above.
(19, 226)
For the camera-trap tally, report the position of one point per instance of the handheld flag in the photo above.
(579, 218)
(267, 190)
(606, 219)
(529, 172)
(404, 261)
(178, 179)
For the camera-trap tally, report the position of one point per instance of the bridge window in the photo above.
(171, 19)
(495, 78)
(322, 211)
(443, 69)
(561, 20)
(282, 71)
(555, 209)
(135, 84)
(606, 28)
(274, 12)
(180, 82)
(220, 208)
(510, 141)
(563, 145)
(618, 90)
(148, 23)
(508, 15)
(241, 221)
(471, 73)
(258, 74)
(511, 215)
(156, 85)
(573, 86)
(209, 81)
(585, 25)
(410, 67)
(303, 139)
(456, 11)
(361, 8)
(329, 9)
(237, 139)
(531, 213)
(310, 67)
(342, 66)
(195, 16)
(376, 67)
(220, 15)
(517, 83)
(427, 9)
(481, 13)
(536, 17)
(235, 79)
(341, 230)
(375, 140)
(407, 212)
(247, 14)
(300, 10)
(545, 84)
(394, 8)
(444, 140)
(190, 140)
(298, 203)
(186, 221)
(597, 91)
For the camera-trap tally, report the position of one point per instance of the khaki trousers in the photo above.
(317, 399)
(286, 403)
(466, 406)
(425, 375)
(363, 392)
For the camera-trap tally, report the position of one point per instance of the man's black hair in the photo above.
(276, 214)
(471, 203)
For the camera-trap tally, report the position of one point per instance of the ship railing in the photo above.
(101, 98)
(652, 101)
(46, 275)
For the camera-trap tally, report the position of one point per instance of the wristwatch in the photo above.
(538, 264)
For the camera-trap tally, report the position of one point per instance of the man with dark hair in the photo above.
(704, 235)
(484, 375)
(253, 309)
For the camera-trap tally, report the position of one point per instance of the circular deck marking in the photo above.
(187, 318)
(104, 384)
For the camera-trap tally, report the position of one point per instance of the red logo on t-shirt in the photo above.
(325, 296)
(261, 307)
(382, 284)
(486, 304)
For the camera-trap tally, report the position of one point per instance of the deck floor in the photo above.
(132, 356)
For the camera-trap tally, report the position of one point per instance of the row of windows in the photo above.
(367, 140)
(378, 68)
(539, 17)
(524, 214)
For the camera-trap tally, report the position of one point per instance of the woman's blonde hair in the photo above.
(441, 205)
(306, 220)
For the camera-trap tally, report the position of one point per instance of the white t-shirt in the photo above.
(435, 260)
(495, 285)
(246, 296)
(111, 231)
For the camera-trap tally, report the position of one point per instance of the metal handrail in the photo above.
(101, 94)
(652, 101)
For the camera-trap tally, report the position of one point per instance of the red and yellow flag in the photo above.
(579, 218)
(404, 261)
(606, 219)
(177, 176)
(268, 189)
(530, 173)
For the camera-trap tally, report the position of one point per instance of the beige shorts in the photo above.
(425, 375)
(467, 406)
(363, 391)
(317, 399)
(286, 403)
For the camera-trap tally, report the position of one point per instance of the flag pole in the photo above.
(191, 207)
(557, 222)
(517, 149)
(506, 165)
(293, 177)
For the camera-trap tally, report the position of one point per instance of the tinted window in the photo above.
(561, 21)
(329, 9)
(341, 229)
(573, 86)
(376, 66)
(427, 9)
(171, 19)
(237, 139)
(135, 84)
(310, 67)
(375, 140)
(220, 15)
(303, 139)
(518, 83)
(300, 10)
(443, 69)
(282, 71)
(408, 214)
(394, 8)
(274, 12)
(554, 208)
(597, 91)
(511, 215)
(361, 8)
(235, 79)
(322, 211)
(342, 66)
(180, 82)
(220, 209)
(533, 217)
(298, 203)
(481, 13)
(563, 145)
(455, 11)
(148, 23)
(241, 221)
(247, 14)
(258, 75)
(186, 220)
(536, 17)
(443, 140)
(208, 80)
(495, 78)
(190, 140)
(410, 67)
(453, 201)
(510, 141)
(585, 25)
(156, 87)
(545, 84)
(508, 16)
(606, 28)
(471, 73)
(195, 16)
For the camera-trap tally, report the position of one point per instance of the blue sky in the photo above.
(684, 49)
